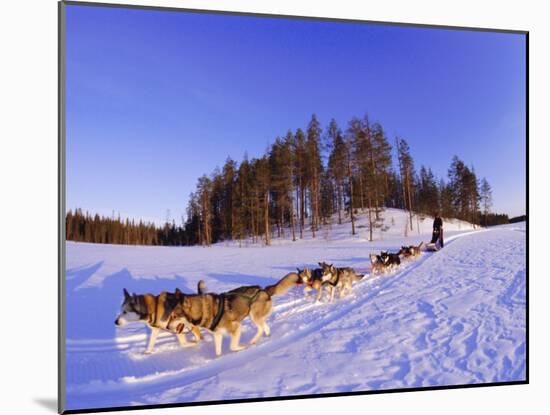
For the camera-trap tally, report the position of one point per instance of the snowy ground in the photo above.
(454, 317)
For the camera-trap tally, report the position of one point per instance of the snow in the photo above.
(452, 317)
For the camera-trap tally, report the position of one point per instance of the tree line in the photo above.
(306, 178)
(85, 227)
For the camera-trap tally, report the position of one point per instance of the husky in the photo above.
(390, 260)
(223, 313)
(410, 251)
(153, 310)
(341, 279)
(313, 280)
(377, 264)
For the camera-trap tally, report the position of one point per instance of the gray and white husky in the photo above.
(340, 279)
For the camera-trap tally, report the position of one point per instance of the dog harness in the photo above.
(218, 316)
(335, 282)
(309, 282)
(239, 292)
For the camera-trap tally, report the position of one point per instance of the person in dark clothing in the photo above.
(437, 233)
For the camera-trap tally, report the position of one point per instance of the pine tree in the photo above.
(350, 173)
(406, 167)
(381, 165)
(465, 193)
(288, 159)
(300, 168)
(428, 192)
(337, 163)
(314, 168)
(486, 195)
(229, 173)
(263, 186)
(204, 189)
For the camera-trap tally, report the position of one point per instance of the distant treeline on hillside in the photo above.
(84, 227)
(305, 178)
(517, 219)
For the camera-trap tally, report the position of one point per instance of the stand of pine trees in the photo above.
(302, 181)
(83, 227)
(292, 189)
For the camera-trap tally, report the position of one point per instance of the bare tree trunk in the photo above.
(361, 194)
(339, 204)
(315, 209)
(282, 221)
(292, 214)
(317, 201)
(370, 220)
(400, 173)
(410, 200)
(266, 218)
(259, 215)
(351, 198)
(232, 223)
(253, 218)
(374, 182)
(376, 204)
(302, 209)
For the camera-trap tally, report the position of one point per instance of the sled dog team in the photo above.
(222, 314)
(387, 261)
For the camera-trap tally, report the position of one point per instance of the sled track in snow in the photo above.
(363, 292)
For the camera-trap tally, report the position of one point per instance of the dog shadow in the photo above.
(91, 311)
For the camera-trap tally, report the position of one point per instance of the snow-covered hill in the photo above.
(392, 223)
(453, 317)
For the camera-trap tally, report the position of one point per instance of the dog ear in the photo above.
(126, 294)
(298, 269)
(321, 264)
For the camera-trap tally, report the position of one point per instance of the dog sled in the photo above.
(433, 247)
(437, 241)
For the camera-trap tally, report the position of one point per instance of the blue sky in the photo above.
(155, 99)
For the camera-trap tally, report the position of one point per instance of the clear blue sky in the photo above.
(155, 99)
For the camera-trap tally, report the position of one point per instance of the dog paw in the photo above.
(147, 352)
(238, 348)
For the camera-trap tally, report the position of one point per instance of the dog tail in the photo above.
(283, 285)
(358, 277)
